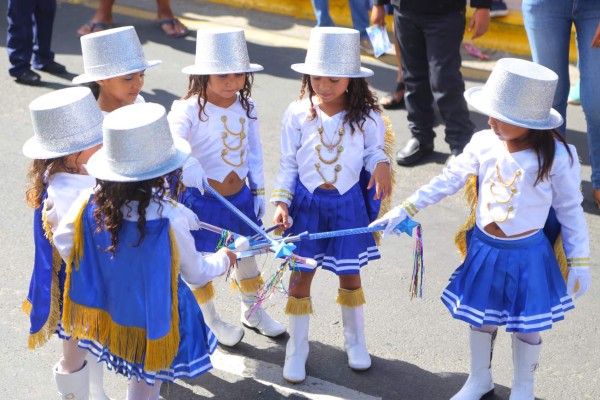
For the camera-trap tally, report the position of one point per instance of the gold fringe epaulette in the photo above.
(470, 193)
(127, 342)
(41, 337)
(561, 259)
(388, 149)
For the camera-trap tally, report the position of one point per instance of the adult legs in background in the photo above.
(321, 8)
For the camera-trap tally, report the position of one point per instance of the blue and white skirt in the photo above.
(196, 344)
(516, 283)
(326, 210)
(210, 210)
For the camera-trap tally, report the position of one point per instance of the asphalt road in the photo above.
(418, 350)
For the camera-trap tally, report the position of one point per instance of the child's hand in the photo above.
(230, 254)
(382, 179)
(281, 216)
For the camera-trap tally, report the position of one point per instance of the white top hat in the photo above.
(138, 145)
(65, 122)
(111, 53)
(520, 93)
(333, 52)
(221, 51)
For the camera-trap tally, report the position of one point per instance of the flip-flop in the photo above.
(389, 102)
(91, 27)
(173, 22)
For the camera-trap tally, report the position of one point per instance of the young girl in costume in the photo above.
(327, 139)
(115, 66)
(517, 172)
(67, 127)
(126, 246)
(219, 120)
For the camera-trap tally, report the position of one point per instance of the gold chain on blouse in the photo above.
(331, 146)
(510, 188)
(241, 135)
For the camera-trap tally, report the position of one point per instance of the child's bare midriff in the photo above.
(230, 185)
(327, 186)
(494, 230)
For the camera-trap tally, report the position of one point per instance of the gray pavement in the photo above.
(418, 350)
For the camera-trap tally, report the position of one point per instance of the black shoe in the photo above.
(29, 78)
(453, 154)
(413, 151)
(54, 68)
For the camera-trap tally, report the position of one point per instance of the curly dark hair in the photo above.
(360, 101)
(39, 171)
(197, 87)
(111, 197)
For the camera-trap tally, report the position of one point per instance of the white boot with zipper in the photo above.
(296, 350)
(525, 360)
(354, 338)
(480, 384)
(227, 334)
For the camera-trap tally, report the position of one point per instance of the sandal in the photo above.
(173, 24)
(92, 26)
(389, 101)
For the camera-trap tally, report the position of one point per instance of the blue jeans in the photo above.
(548, 24)
(359, 9)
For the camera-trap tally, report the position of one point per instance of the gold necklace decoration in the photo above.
(331, 144)
(509, 187)
(336, 169)
(241, 135)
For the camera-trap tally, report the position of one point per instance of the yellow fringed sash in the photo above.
(129, 343)
(41, 337)
(460, 239)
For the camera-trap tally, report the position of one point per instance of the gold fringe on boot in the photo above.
(204, 293)
(297, 306)
(251, 285)
(351, 298)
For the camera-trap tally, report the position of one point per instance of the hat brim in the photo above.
(36, 150)
(304, 68)
(477, 98)
(99, 168)
(199, 70)
(86, 78)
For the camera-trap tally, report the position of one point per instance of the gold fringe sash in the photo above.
(205, 293)
(129, 343)
(41, 337)
(297, 306)
(251, 285)
(470, 193)
(388, 149)
(351, 298)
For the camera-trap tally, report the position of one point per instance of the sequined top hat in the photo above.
(333, 52)
(111, 53)
(221, 51)
(138, 145)
(65, 122)
(520, 93)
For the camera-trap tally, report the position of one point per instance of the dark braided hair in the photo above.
(360, 101)
(197, 87)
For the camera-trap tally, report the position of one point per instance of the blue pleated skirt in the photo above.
(326, 210)
(210, 210)
(516, 283)
(197, 342)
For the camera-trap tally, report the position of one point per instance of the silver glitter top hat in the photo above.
(111, 53)
(333, 52)
(138, 145)
(65, 122)
(520, 93)
(221, 51)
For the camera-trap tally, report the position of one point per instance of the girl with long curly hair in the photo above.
(327, 139)
(219, 120)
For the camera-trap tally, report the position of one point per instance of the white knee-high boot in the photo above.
(352, 302)
(296, 351)
(480, 384)
(256, 317)
(73, 386)
(96, 374)
(525, 361)
(227, 334)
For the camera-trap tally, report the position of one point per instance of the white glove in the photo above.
(390, 220)
(259, 206)
(579, 275)
(193, 174)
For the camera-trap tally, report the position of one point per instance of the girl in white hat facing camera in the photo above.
(522, 177)
(115, 66)
(327, 139)
(219, 120)
(127, 247)
(68, 129)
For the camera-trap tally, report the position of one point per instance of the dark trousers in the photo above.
(29, 34)
(430, 49)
